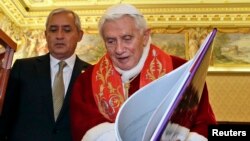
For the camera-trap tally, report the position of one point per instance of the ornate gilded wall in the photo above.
(228, 86)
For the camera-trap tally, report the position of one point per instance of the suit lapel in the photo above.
(42, 66)
(78, 67)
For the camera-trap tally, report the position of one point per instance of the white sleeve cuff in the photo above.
(193, 136)
(102, 132)
(175, 132)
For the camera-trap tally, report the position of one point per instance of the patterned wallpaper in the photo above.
(230, 96)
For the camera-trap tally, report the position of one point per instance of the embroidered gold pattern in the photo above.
(113, 99)
(155, 69)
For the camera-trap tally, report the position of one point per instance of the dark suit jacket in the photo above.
(28, 108)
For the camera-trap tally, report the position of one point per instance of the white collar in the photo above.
(70, 61)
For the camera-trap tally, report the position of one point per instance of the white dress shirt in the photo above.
(67, 71)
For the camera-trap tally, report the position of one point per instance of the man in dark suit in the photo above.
(28, 113)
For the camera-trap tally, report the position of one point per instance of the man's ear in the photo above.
(45, 33)
(80, 35)
(146, 35)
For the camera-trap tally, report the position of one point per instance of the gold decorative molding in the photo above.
(159, 13)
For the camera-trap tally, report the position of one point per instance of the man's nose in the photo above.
(60, 34)
(119, 48)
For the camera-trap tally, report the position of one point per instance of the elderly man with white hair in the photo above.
(130, 63)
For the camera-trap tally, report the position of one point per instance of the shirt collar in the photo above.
(70, 61)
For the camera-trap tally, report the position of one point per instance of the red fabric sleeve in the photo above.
(84, 113)
(205, 115)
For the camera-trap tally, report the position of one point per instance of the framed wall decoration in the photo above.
(231, 52)
(91, 48)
